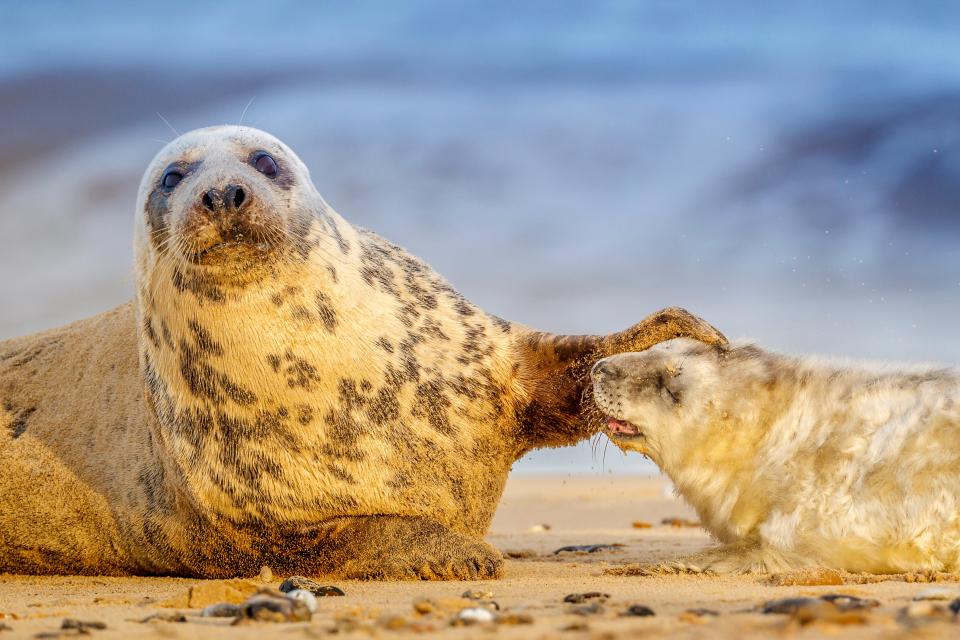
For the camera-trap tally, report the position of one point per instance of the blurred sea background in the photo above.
(791, 172)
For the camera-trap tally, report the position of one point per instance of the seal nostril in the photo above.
(238, 198)
(207, 201)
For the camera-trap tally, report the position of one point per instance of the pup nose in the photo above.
(603, 368)
(231, 199)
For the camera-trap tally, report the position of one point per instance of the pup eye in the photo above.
(265, 164)
(171, 179)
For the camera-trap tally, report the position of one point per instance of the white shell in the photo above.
(306, 597)
(475, 615)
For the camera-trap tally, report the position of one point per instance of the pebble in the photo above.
(924, 611)
(5, 627)
(680, 522)
(585, 548)
(321, 591)
(639, 524)
(588, 609)
(827, 612)
(639, 610)
(540, 528)
(936, 593)
(844, 602)
(955, 607)
(266, 574)
(476, 594)
(577, 598)
(702, 613)
(267, 607)
(164, 617)
(306, 597)
(788, 605)
(82, 626)
(474, 615)
(221, 610)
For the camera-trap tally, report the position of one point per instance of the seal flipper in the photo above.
(555, 372)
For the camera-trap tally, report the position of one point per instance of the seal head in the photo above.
(227, 202)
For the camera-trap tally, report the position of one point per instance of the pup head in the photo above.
(652, 397)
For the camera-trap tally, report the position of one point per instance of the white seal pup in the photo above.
(285, 389)
(794, 462)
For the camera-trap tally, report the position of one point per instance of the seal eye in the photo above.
(265, 164)
(171, 179)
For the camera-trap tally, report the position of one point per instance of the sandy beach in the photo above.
(579, 510)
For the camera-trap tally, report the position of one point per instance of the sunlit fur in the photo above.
(799, 461)
(285, 389)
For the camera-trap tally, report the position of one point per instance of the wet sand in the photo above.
(578, 510)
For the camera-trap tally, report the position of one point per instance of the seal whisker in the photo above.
(167, 122)
(244, 113)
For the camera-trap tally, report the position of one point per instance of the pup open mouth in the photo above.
(622, 428)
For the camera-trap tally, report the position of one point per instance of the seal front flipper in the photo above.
(555, 372)
(403, 548)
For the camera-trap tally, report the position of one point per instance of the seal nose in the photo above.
(605, 369)
(231, 199)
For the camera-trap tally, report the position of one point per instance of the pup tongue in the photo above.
(621, 426)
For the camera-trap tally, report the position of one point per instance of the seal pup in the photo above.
(286, 389)
(794, 462)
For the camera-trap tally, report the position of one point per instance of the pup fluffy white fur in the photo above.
(793, 462)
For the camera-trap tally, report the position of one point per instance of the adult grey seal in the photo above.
(285, 389)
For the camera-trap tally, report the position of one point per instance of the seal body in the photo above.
(285, 389)
(793, 462)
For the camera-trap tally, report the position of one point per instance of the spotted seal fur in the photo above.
(793, 462)
(285, 389)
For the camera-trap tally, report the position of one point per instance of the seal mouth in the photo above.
(215, 253)
(622, 429)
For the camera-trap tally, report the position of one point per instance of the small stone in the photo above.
(788, 605)
(639, 524)
(540, 528)
(591, 609)
(83, 626)
(476, 594)
(267, 607)
(639, 610)
(321, 591)
(936, 593)
(306, 597)
(164, 617)
(844, 602)
(826, 612)
(924, 611)
(5, 627)
(586, 548)
(221, 610)
(474, 615)
(520, 554)
(266, 574)
(679, 522)
(703, 613)
(424, 606)
(577, 598)
(955, 607)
